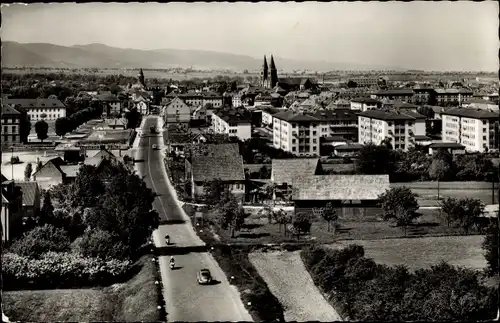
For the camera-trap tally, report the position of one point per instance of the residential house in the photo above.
(423, 95)
(236, 100)
(54, 172)
(11, 120)
(481, 104)
(339, 104)
(283, 171)
(476, 129)
(352, 195)
(36, 108)
(339, 122)
(400, 127)
(364, 104)
(199, 113)
(111, 105)
(176, 111)
(11, 213)
(233, 121)
(451, 147)
(178, 141)
(141, 102)
(208, 162)
(195, 99)
(405, 95)
(297, 133)
(267, 115)
(31, 198)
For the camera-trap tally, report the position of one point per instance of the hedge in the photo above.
(362, 290)
(61, 270)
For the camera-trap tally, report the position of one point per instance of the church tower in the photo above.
(140, 77)
(274, 73)
(264, 82)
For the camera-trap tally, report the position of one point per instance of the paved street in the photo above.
(185, 299)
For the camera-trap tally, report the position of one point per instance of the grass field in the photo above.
(132, 301)
(257, 229)
(424, 252)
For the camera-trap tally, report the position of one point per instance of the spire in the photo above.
(265, 69)
(141, 78)
(274, 73)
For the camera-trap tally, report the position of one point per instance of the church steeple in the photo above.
(264, 73)
(274, 73)
(141, 78)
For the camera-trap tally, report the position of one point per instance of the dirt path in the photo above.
(290, 282)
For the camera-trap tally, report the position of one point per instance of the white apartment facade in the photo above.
(364, 104)
(477, 130)
(236, 100)
(38, 109)
(176, 111)
(233, 124)
(401, 128)
(297, 133)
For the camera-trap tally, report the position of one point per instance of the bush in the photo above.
(101, 244)
(40, 240)
(15, 160)
(363, 290)
(61, 270)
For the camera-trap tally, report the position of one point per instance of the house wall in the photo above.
(47, 176)
(346, 210)
(267, 118)
(10, 130)
(35, 114)
(177, 111)
(475, 134)
(11, 221)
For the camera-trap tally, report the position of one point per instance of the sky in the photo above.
(460, 36)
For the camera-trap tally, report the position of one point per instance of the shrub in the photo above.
(101, 244)
(61, 270)
(40, 240)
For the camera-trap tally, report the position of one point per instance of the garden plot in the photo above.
(424, 252)
(289, 281)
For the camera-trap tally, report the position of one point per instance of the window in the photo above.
(293, 141)
(13, 129)
(294, 148)
(5, 129)
(390, 124)
(484, 137)
(14, 137)
(484, 121)
(314, 148)
(314, 133)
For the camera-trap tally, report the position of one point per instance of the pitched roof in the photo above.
(36, 103)
(104, 153)
(396, 92)
(107, 97)
(291, 116)
(337, 114)
(234, 115)
(29, 190)
(7, 110)
(446, 145)
(472, 113)
(215, 150)
(70, 170)
(207, 168)
(349, 146)
(56, 162)
(387, 115)
(365, 100)
(339, 187)
(284, 170)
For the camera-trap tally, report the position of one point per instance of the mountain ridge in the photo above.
(98, 55)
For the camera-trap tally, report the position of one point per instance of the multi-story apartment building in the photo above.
(365, 81)
(234, 122)
(36, 108)
(451, 96)
(11, 120)
(400, 127)
(111, 105)
(176, 111)
(300, 133)
(405, 95)
(365, 104)
(476, 129)
(195, 99)
(236, 100)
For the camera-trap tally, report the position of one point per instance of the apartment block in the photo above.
(37, 108)
(476, 129)
(233, 122)
(10, 126)
(401, 127)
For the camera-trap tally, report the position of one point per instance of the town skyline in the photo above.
(427, 36)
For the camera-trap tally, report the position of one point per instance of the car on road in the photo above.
(155, 146)
(204, 277)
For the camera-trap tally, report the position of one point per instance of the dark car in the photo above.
(204, 277)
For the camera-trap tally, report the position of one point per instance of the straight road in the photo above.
(185, 299)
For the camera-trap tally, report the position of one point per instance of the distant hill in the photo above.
(101, 56)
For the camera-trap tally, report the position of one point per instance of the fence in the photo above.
(447, 185)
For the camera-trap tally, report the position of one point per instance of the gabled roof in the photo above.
(207, 168)
(339, 187)
(104, 153)
(365, 100)
(472, 113)
(215, 150)
(56, 162)
(35, 103)
(390, 116)
(107, 97)
(7, 110)
(396, 92)
(349, 146)
(284, 170)
(337, 114)
(290, 116)
(29, 190)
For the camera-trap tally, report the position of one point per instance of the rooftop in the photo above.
(389, 115)
(472, 113)
(7, 110)
(29, 190)
(284, 170)
(234, 115)
(35, 103)
(446, 145)
(228, 168)
(396, 92)
(339, 187)
(366, 100)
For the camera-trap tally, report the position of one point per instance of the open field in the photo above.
(132, 301)
(257, 229)
(424, 252)
(289, 281)
(150, 74)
